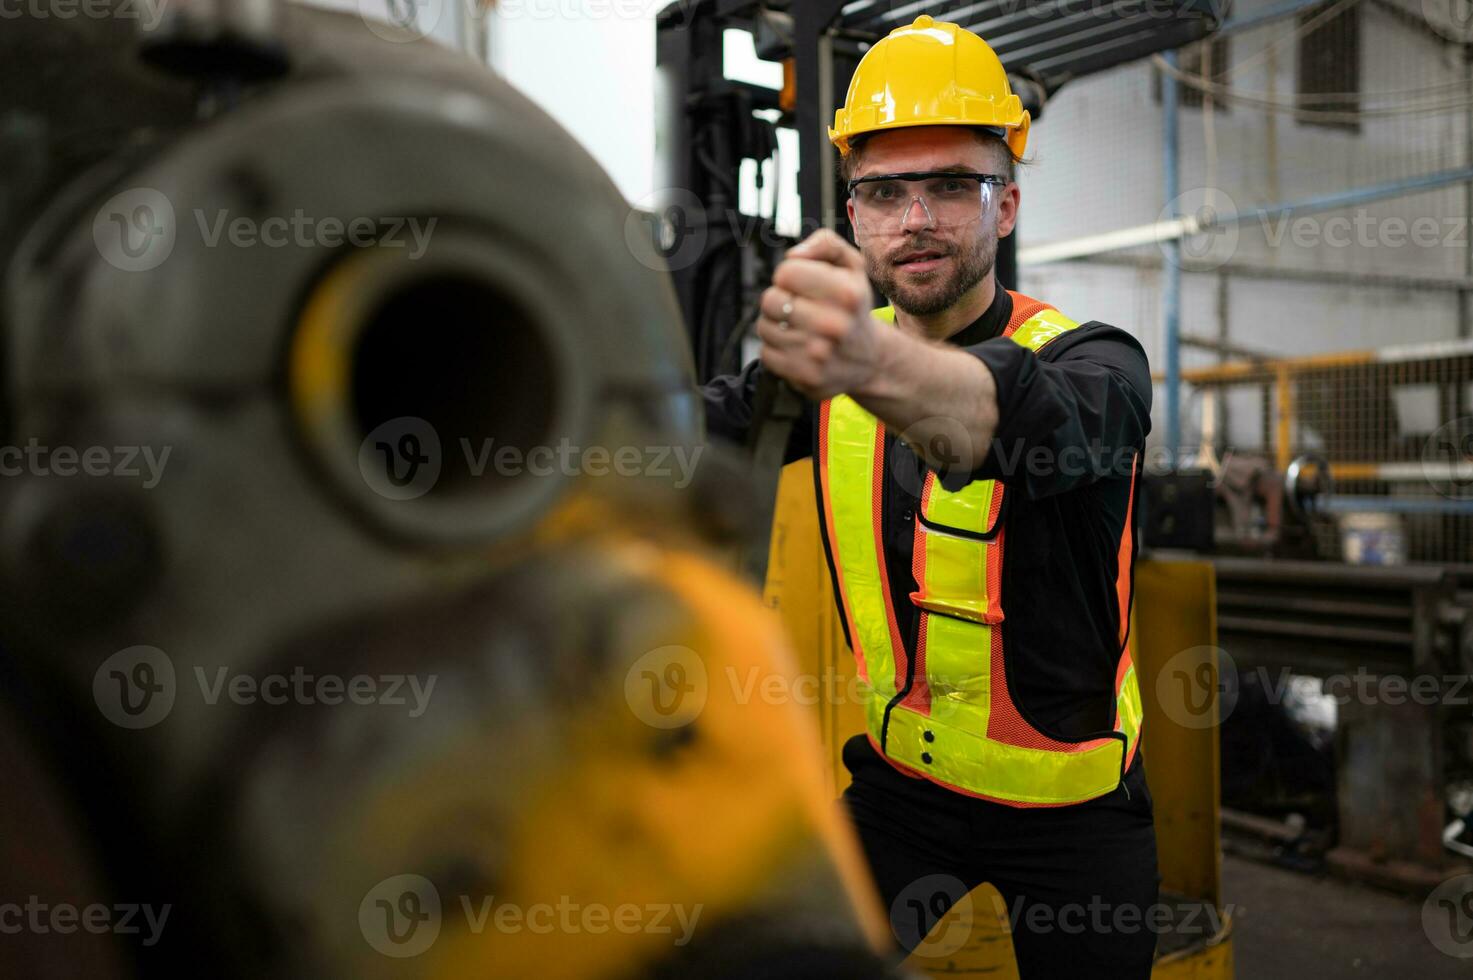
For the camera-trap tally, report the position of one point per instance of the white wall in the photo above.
(591, 65)
(1099, 161)
(1098, 166)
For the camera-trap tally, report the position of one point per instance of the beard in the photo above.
(928, 293)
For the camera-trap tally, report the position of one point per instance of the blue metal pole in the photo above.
(1171, 291)
(1359, 195)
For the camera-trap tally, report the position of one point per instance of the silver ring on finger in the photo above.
(787, 312)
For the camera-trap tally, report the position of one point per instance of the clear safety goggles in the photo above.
(944, 199)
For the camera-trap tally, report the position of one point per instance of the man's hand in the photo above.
(940, 400)
(816, 326)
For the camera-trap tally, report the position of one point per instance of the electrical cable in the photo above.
(1300, 30)
(1262, 100)
(1298, 103)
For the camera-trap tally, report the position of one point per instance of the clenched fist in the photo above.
(816, 325)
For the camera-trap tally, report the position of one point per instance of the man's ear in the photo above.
(849, 210)
(1007, 210)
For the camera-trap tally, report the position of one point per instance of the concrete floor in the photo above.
(1293, 926)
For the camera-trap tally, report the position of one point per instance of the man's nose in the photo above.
(917, 215)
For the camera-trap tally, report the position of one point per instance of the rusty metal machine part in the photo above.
(265, 381)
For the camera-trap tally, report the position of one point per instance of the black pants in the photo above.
(1079, 882)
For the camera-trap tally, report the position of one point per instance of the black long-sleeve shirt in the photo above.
(1071, 420)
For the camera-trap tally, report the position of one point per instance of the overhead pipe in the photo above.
(1177, 227)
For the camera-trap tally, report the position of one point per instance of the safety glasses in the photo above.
(947, 199)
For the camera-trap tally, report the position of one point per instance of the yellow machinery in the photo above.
(1173, 634)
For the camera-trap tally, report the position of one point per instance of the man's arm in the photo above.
(940, 400)
(1042, 426)
(1078, 416)
(996, 410)
(819, 333)
(729, 402)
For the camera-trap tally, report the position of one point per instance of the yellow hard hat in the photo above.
(930, 74)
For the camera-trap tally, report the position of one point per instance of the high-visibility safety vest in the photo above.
(945, 713)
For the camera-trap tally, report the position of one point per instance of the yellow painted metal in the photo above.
(1284, 412)
(1175, 611)
(317, 370)
(971, 940)
(1238, 370)
(1174, 631)
(1214, 962)
(740, 819)
(800, 589)
(1356, 471)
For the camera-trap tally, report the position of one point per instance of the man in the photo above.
(975, 457)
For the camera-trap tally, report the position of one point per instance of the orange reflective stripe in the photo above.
(994, 558)
(1123, 559)
(1129, 712)
(1007, 725)
(1024, 309)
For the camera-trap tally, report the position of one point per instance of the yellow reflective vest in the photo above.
(943, 711)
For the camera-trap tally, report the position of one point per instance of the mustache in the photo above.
(920, 245)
